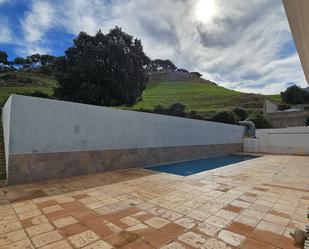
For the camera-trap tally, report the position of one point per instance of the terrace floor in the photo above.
(249, 205)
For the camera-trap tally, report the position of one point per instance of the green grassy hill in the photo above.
(24, 82)
(199, 95)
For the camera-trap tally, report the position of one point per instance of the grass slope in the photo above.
(24, 82)
(197, 96)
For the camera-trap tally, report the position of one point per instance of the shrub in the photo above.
(177, 109)
(283, 107)
(159, 109)
(241, 114)
(260, 122)
(195, 115)
(37, 94)
(224, 117)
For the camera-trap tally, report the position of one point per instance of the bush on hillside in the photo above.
(283, 107)
(241, 114)
(159, 109)
(195, 115)
(224, 117)
(37, 94)
(260, 122)
(177, 109)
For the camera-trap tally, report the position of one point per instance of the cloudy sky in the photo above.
(243, 45)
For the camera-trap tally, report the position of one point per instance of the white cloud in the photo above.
(240, 44)
(5, 32)
(4, 1)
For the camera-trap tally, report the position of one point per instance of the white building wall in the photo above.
(280, 141)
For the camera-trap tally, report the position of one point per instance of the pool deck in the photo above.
(250, 205)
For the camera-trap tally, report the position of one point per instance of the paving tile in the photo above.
(240, 228)
(208, 229)
(226, 214)
(39, 229)
(277, 219)
(65, 221)
(137, 244)
(130, 221)
(271, 227)
(100, 244)
(198, 215)
(121, 239)
(218, 221)
(10, 227)
(62, 244)
(22, 244)
(266, 237)
(12, 237)
(82, 239)
(73, 229)
(231, 238)
(193, 239)
(52, 209)
(287, 243)
(174, 245)
(186, 222)
(46, 238)
(172, 230)
(232, 208)
(156, 222)
(254, 244)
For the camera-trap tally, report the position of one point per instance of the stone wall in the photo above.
(287, 119)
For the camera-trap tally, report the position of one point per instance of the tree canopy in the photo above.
(159, 65)
(295, 95)
(104, 69)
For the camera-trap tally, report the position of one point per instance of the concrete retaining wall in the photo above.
(51, 139)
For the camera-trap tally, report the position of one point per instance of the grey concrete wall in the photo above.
(287, 119)
(6, 118)
(54, 139)
(44, 126)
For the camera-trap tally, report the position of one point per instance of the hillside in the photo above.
(197, 94)
(24, 82)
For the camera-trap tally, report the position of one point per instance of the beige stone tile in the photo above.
(9, 227)
(39, 229)
(52, 209)
(271, 227)
(65, 221)
(186, 222)
(62, 244)
(130, 221)
(41, 219)
(12, 237)
(174, 245)
(247, 220)
(83, 239)
(46, 238)
(29, 214)
(198, 215)
(276, 219)
(231, 238)
(156, 222)
(193, 239)
(208, 229)
(22, 244)
(226, 214)
(218, 221)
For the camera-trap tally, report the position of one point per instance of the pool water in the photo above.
(192, 167)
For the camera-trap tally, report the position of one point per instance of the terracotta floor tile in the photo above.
(44, 204)
(288, 243)
(154, 237)
(62, 244)
(121, 214)
(254, 244)
(240, 228)
(173, 230)
(121, 239)
(266, 237)
(100, 244)
(73, 229)
(232, 208)
(137, 244)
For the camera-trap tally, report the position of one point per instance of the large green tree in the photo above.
(295, 95)
(104, 69)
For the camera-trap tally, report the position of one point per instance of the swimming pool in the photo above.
(192, 167)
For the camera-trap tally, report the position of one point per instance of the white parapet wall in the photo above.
(58, 135)
(280, 141)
